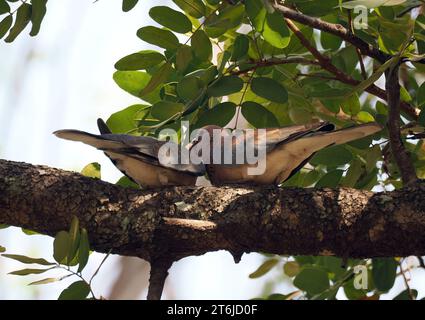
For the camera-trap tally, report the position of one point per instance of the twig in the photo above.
(359, 54)
(406, 282)
(158, 274)
(399, 151)
(273, 62)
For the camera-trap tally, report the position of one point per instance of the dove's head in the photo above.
(206, 132)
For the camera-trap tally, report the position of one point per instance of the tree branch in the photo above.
(335, 29)
(173, 223)
(184, 221)
(398, 149)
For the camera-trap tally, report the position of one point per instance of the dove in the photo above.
(286, 150)
(138, 157)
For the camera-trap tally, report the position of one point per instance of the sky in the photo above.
(63, 79)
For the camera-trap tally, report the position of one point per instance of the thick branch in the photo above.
(180, 222)
(398, 149)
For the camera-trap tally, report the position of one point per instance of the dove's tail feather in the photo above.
(345, 135)
(103, 127)
(320, 140)
(88, 138)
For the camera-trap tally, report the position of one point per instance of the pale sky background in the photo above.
(63, 79)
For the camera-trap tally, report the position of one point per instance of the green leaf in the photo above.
(84, 250)
(219, 115)
(171, 19)
(2, 249)
(195, 8)
(61, 246)
(329, 41)
(23, 17)
(127, 183)
(353, 174)
(332, 156)
(183, 58)
(300, 115)
(420, 94)
(25, 272)
(44, 281)
(406, 295)
(28, 260)
(291, 268)
(365, 117)
(276, 31)
(74, 238)
(133, 82)
(269, 89)
(384, 272)
(330, 179)
(37, 15)
(225, 85)
(159, 37)
(157, 79)
(139, 61)
(421, 119)
(258, 116)
(4, 7)
(312, 280)
(256, 13)
(166, 109)
(201, 45)
(240, 47)
(189, 87)
(370, 4)
(123, 121)
(264, 268)
(29, 232)
(5, 25)
(127, 5)
(92, 170)
(76, 291)
(351, 106)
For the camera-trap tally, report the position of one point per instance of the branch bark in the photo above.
(180, 222)
(399, 151)
(163, 226)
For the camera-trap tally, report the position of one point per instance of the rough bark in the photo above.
(178, 222)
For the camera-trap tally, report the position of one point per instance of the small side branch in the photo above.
(399, 151)
(158, 275)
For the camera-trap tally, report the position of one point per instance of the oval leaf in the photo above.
(384, 272)
(264, 268)
(140, 60)
(61, 246)
(171, 19)
(312, 280)
(225, 86)
(219, 115)
(269, 89)
(76, 291)
(159, 37)
(258, 116)
(28, 260)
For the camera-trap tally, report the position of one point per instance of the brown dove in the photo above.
(286, 150)
(138, 157)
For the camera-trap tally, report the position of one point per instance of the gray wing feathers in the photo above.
(142, 148)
